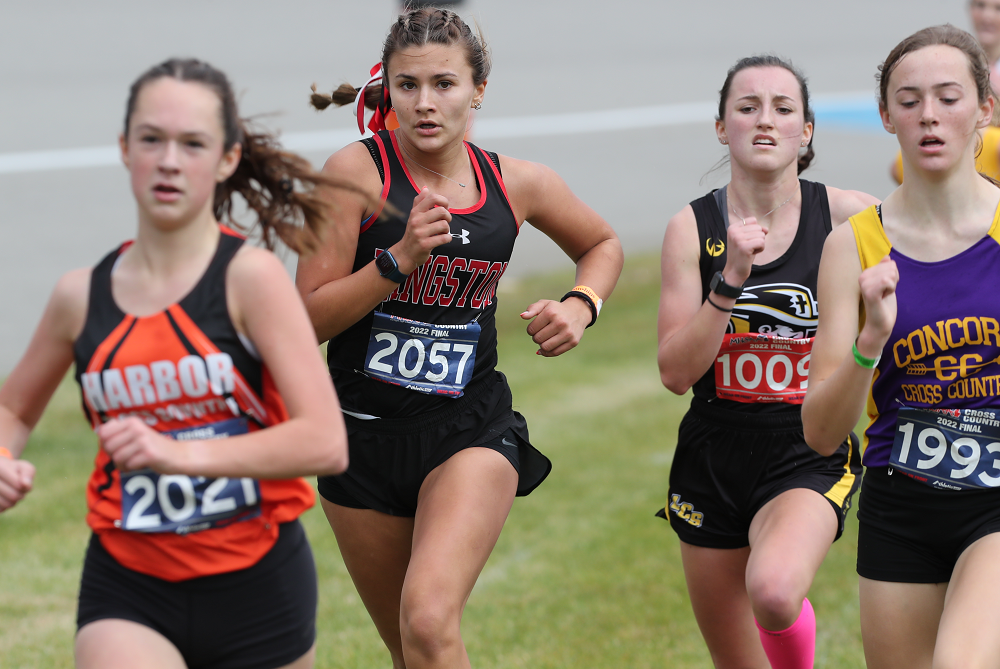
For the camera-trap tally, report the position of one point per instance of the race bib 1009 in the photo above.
(948, 449)
(763, 368)
(428, 358)
(183, 504)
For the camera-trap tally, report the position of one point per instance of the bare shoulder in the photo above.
(847, 203)
(354, 165)
(68, 304)
(517, 168)
(258, 288)
(539, 195)
(840, 248)
(253, 268)
(522, 176)
(681, 236)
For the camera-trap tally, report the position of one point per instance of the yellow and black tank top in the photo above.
(778, 304)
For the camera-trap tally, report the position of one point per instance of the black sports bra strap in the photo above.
(376, 156)
(496, 160)
(722, 201)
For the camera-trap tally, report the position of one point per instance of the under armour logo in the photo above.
(464, 236)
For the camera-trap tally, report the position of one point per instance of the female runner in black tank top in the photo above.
(751, 543)
(415, 561)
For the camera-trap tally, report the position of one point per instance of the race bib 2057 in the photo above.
(428, 358)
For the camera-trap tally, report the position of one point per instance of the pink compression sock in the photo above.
(795, 647)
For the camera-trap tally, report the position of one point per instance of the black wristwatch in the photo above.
(388, 268)
(720, 287)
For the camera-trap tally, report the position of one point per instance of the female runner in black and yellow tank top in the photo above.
(437, 452)
(756, 510)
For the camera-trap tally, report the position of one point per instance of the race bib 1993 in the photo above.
(948, 449)
(763, 368)
(428, 358)
(183, 504)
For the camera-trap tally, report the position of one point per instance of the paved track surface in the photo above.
(65, 68)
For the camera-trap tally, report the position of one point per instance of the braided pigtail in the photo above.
(415, 27)
(345, 94)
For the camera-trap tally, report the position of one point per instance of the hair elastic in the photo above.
(377, 121)
(708, 298)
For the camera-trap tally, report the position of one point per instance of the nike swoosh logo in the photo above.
(506, 443)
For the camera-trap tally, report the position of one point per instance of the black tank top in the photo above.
(779, 298)
(456, 285)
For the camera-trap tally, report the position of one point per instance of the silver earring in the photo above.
(478, 105)
(724, 141)
(803, 144)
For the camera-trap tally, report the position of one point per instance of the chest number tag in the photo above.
(431, 359)
(955, 449)
(763, 368)
(183, 504)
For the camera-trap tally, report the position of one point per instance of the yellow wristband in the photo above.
(5, 453)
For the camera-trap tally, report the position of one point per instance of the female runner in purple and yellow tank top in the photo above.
(911, 328)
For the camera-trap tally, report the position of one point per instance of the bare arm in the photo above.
(29, 388)
(847, 203)
(264, 305)
(334, 295)
(838, 386)
(690, 332)
(540, 196)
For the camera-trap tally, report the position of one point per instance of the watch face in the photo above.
(385, 263)
(720, 287)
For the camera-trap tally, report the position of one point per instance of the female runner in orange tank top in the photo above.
(188, 332)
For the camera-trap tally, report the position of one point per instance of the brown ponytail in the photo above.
(280, 187)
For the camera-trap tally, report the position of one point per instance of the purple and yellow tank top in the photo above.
(944, 350)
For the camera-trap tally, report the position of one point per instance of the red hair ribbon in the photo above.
(377, 121)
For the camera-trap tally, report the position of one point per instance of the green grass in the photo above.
(583, 574)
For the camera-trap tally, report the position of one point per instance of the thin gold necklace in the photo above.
(760, 218)
(427, 168)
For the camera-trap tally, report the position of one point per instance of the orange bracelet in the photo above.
(5, 453)
(592, 294)
(589, 296)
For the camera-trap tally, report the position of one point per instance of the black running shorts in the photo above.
(909, 532)
(728, 464)
(261, 617)
(390, 458)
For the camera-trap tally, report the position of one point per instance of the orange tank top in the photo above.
(187, 373)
